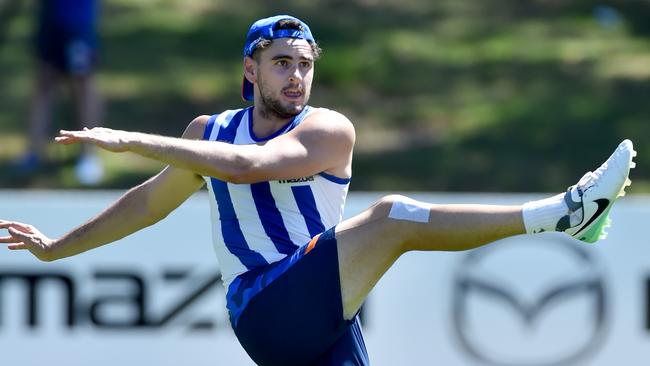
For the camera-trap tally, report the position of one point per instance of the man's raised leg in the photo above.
(369, 243)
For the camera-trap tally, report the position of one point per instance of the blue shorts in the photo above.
(72, 52)
(291, 312)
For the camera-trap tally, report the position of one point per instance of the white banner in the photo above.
(155, 297)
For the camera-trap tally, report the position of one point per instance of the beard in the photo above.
(273, 108)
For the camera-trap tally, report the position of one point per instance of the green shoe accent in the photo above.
(597, 231)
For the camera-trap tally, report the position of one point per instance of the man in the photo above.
(66, 50)
(278, 174)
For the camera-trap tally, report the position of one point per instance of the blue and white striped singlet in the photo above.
(256, 224)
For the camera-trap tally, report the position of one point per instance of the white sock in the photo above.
(543, 215)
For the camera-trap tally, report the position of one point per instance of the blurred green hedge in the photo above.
(452, 95)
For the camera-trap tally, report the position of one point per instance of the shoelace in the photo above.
(589, 180)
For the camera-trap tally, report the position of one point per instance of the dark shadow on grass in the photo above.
(551, 121)
(569, 123)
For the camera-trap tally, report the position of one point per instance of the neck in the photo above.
(266, 123)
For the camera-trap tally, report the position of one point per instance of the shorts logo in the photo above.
(529, 302)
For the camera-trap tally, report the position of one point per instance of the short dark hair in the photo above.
(287, 24)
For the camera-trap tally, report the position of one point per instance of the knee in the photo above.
(382, 208)
(403, 211)
(399, 212)
(395, 214)
(378, 213)
(386, 232)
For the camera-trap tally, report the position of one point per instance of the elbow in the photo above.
(244, 170)
(240, 167)
(236, 178)
(151, 215)
(152, 211)
(241, 177)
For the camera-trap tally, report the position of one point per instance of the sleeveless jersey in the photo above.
(254, 225)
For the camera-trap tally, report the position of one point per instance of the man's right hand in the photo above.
(27, 237)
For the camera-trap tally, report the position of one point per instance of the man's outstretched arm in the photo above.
(322, 143)
(138, 208)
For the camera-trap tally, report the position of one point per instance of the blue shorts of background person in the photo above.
(66, 36)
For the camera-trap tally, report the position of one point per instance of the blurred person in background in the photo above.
(277, 174)
(8, 9)
(66, 52)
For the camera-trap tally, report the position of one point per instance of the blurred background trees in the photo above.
(451, 95)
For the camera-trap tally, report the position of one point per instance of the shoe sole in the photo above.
(598, 230)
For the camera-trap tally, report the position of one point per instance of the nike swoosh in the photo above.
(602, 206)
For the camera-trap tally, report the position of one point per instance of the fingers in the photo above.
(9, 239)
(18, 234)
(86, 135)
(85, 132)
(16, 225)
(64, 140)
(19, 239)
(71, 137)
(17, 246)
(75, 134)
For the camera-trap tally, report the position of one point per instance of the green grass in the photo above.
(460, 95)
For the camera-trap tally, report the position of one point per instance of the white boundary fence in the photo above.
(154, 298)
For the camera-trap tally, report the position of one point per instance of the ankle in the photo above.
(544, 215)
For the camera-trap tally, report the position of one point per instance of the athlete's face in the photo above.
(284, 72)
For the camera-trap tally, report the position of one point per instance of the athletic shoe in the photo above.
(590, 200)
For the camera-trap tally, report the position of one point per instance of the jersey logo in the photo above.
(297, 180)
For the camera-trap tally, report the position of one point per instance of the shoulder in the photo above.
(196, 128)
(333, 117)
(327, 122)
(203, 124)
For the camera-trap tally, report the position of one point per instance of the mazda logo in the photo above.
(529, 301)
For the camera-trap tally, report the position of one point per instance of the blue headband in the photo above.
(264, 29)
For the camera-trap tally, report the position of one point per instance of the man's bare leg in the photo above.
(369, 243)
